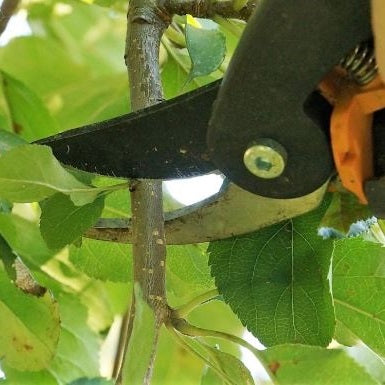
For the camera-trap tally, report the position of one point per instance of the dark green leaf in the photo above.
(30, 327)
(275, 280)
(31, 118)
(358, 289)
(103, 260)
(293, 364)
(207, 49)
(62, 222)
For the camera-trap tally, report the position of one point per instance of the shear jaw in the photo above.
(229, 213)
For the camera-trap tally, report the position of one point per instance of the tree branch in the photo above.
(7, 9)
(210, 8)
(146, 23)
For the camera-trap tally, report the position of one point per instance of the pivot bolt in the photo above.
(265, 159)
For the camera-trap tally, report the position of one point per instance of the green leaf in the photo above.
(62, 222)
(209, 377)
(78, 349)
(188, 273)
(29, 327)
(103, 260)
(275, 280)
(233, 368)
(343, 211)
(92, 381)
(5, 114)
(8, 258)
(293, 364)
(358, 289)
(31, 118)
(41, 56)
(207, 49)
(372, 363)
(141, 344)
(78, 106)
(25, 239)
(16, 377)
(8, 141)
(31, 173)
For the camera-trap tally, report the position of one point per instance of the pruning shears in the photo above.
(265, 126)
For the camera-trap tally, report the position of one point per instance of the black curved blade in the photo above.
(285, 51)
(165, 141)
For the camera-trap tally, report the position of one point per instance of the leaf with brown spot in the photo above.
(30, 327)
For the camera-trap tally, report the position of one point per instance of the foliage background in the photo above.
(70, 72)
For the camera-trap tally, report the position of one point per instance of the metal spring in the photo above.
(360, 64)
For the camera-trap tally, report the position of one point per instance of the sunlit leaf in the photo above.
(31, 118)
(92, 381)
(141, 344)
(31, 173)
(188, 274)
(296, 364)
(8, 141)
(103, 260)
(30, 327)
(358, 290)
(5, 114)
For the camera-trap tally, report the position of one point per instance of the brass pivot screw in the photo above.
(266, 158)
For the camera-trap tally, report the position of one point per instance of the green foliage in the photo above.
(103, 260)
(229, 365)
(29, 327)
(141, 344)
(296, 364)
(206, 47)
(31, 118)
(188, 274)
(275, 280)
(62, 222)
(344, 210)
(24, 238)
(71, 72)
(91, 381)
(358, 289)
(31, 173)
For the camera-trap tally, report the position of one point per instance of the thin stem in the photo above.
(146, 23)
(7, 9)
(193, 331)
(185, 309)
(209, 8)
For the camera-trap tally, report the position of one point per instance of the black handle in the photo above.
(286, 49)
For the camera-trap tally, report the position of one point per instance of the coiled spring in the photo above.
(360, 64)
